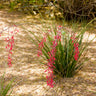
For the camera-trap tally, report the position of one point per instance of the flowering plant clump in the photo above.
(63, 52)
(9, 39)
(10, 43)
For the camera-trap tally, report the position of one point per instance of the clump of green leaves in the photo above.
(69, 54)
(5, 89)
(63, 49)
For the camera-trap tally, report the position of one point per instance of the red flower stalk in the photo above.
(50, 78)
(39, 53)
(59, 27)
(76, 45)
(76, 51)
(50, 64)
(9, 46)
(58, 37)
(51, 61)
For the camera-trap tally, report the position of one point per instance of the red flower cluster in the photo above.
(50, 78)
(52, 58)
(76, 51)
(50, 65)
(51, 61)
(9, 47)
(76, 45)
(58, 37)
(10, 43)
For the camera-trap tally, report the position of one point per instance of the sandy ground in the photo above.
(29, 73)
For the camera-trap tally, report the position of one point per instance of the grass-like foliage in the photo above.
(5, 89)
(63, 50)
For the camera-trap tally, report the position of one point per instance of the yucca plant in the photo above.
(63, 50)
(5, 89)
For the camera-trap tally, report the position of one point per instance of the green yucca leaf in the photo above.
(2, 83)
(5, 89)
(45, 53)
(50, 39)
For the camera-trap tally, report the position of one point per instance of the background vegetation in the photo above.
(60, 9)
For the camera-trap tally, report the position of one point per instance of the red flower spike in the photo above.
(50, 63)
(9, 46)
(76, 45)
(39, 53)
